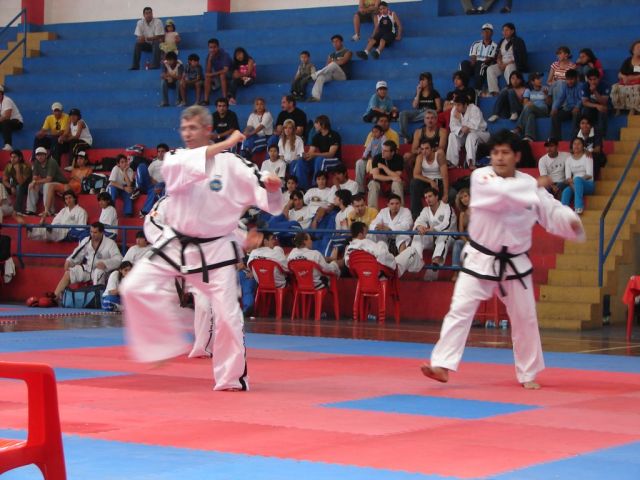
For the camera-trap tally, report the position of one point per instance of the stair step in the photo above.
(565, 311)
(624, 146)
(630, 134)
(578, 278)
(614, 173)
(565, 324)
(566, 293)
(633, 121)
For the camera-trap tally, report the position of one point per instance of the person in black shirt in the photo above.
(386, 170)
(224, 121)
(290, 110)
(387, 29)
(461, 85)
(324, 152)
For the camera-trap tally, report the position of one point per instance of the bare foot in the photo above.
(531, 385)
(436, 373)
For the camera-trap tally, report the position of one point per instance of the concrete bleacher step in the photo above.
(567, 315)
(583, 278)
(14, 64)
(569, 293)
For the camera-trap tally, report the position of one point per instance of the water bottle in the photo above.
(504, 324)
(371, 317)
(147, 65)
(490, 324)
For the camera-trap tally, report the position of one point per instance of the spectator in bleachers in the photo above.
(586, 61)
(92, 260)
(297, 212)
(436, 216)
(372, 147)
(325, 149)
(558, 70)
(551, 167)
(53, 127)
(512, 55)
(149, 179)
(243, 72)
(80, 171)
(625, 95)
(510, 100)
(389, 132)
(290, 145)
(303, 75)
(225, 121)
(468, 130)
(460, 85)
(111, 297)
(342, 200)
(341, 181)
(259, 129)
(122, 184)
(320, 196)
(430, 172)
(304, 251)
(16, 178)
(426, 98)
(171, 78)
(149, 34)
(593, 144)
(432, 132)
(274, 163)
(578, 176)
(361, 211)
(108, 215)
(171, 39)
(536, 105)
(270, 251)
(394, 217)
(380, 104)
(566, 104)
(464, 214)
(367, 10)
(77, 135)
(71, 214)
(386, 172)
(192, 77)
(338, 68)
(387, 29)
(217, 73)
(469, 9)
(334, 217)
(291, 111)
(138, 250)
(10, 119)
(482, 55)
(47, 178)
(595, 101)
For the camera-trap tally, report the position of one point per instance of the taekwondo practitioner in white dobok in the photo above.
(304, 251)
(209, 191)
(393, 217)
(270, 251)
(437, 216)
(505, 204)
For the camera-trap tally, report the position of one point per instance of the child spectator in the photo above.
(304, 251)
(341, 181)
(296, 211)
(80, 171)
(16, 178)
(171, 39)
(464, 214)
(111, 297)
(380, 104)
(367, 10)
(595, 101)
(269, 250)
(303, 76)
(566, 104)
(150, 180)
(259, 129)
(593, 144)
(372, 148)
(108, 215)
(536, 104)
(579, 176)
(121, 184)
(225, 121)
(460, 85)
(509, 101)
(274, 163)
(290, 145)
(320, 196)
(625, 95)
(139, 250)
(426, 98)
(170, 78)
(10, 119)
(243, 73)
(586, 61)
(558, 70)
(191, 78)
(77, 135)
(387, 29)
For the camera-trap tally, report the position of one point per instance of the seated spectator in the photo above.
(53, 127)
(468, 129)
(469, 9)
(380, 104)
(16, 178)
(437, 216)
(304, 251)
(111, 297)
(386, 30)
(341, 181)
(243, 72)
(386, 172)
(325, 149)
(586, 61)
(512, 55)
(296, 211)
(482, 55)
(149, 34)
(625, 95)
(385, 123)
(259, 129)
(361, 211)
(138, 250)
(47, 179)
(77, 135)
(558, 70)
(394, 217)
(80, 171)
(430, 172)
(566, 104)
(270, 251)
(593, 144)
(225, 121)
(149, 179)
(122, 183)
(460, 85)
(320, 196)
(367, 10)
(290, 145)
(217, 73)
(552, 167)
(578, 176)
(372, 148)
(10, 119)
(595, 101)
(536, 105)
(291, 111)
(510, 100)
(108, 215)
(338, 68)
(170, 78)
(303, 76)
(192, 77)
(336, 217)
(275, 164)
(171, 39)
(426, 98)
(92, 260)
(71, 214)
(464, 214)
(430, 132)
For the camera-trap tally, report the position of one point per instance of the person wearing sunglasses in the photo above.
(53, 127)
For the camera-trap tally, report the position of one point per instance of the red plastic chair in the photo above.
(43, 446)
(304, 288)
(367, 270)
(264, 270)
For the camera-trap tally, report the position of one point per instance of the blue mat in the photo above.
(9, 311)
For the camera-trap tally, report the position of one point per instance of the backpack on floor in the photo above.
(95, 182)
(85, 296)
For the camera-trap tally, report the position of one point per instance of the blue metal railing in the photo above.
(23, 42)
(603, 253)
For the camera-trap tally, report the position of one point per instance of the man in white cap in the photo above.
(47, 174)
(481, 54)
(10, 119)
(52, 128)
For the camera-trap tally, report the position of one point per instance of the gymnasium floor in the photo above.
(331, 401)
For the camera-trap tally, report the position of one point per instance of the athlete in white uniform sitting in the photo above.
(304, 251)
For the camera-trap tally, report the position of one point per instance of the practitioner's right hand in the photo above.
(271, 182)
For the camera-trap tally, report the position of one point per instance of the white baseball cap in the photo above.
(487, 26)
(41, 150)
(381, 84)
(56, 106)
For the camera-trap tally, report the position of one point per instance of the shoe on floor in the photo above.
(7, 147)
(362, 54)
(355, 37)
(513, 117)
(492, 118)
(163, 104)
(375, 54)
(579, 211)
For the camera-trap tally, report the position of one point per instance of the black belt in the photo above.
(504, 259)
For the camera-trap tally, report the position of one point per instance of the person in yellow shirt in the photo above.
(50, 135)
(361, 212)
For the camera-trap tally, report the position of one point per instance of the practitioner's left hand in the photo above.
(271, 182)
(578, 229)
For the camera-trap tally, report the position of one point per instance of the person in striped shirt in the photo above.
(481, 54)
(558, 70)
